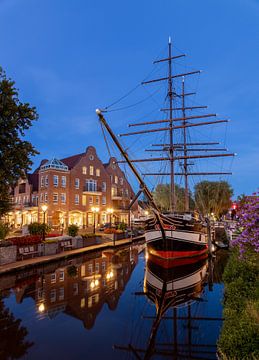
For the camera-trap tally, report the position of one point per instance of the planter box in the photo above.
(8, 254)
(114, 237)
(50, 248)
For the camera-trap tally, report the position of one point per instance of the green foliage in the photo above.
(13, 343)
(122, 226)
(4, 230)
(213, 197)
(88, 235)
(239, 336)
(73, 230)
(72, 271)
(38, 228)
(15, 152)
(162, 196)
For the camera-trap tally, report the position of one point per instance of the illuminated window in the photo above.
(98, 173)
(116, 179)
(91, 170)
(82, 304)
(84, 170)
(91, 200)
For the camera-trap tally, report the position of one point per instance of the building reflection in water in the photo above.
(78, 287)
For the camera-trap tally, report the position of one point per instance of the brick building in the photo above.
(71, 188)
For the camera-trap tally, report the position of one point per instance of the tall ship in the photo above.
(171, 234)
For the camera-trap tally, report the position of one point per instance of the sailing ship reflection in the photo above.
(174, 285)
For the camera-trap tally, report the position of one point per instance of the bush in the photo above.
(73, 230)
(38, 229)
(4, 230)
(122, 226)
(72, 271)
(88, 235)
(239, 336)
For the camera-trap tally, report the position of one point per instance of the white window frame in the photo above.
(55, 198)
(55, 180)
(77, 199)
(63, 181)
(77, 183)
(63, 197)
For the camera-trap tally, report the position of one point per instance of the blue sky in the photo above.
(69, 57)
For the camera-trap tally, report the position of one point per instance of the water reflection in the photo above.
(87, 286)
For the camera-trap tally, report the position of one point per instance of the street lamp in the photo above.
(110, 211)
(95, 210)
(44, 208)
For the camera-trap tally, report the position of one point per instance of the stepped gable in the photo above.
(33, 180)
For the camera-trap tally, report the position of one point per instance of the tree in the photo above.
(13, 343)
(15, 152)
(213, 197)
(162, 196)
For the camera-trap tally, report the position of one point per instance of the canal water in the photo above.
(120, 304)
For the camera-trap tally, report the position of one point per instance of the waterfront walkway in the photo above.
(18, 265)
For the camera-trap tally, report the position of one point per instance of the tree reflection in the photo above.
(13, 344)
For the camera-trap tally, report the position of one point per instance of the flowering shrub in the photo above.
(26, 240)
(249, 223)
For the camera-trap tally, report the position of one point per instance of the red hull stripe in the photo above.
(170, 263)
(178, 254)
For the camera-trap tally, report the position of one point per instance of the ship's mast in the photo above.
(171, 147)
(185, 162)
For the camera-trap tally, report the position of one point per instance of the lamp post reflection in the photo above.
(95, 210)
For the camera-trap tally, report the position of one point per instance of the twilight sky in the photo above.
(69, 57)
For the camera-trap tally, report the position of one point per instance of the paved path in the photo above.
(18, 265)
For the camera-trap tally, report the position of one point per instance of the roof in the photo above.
(71, 161)
(54, 164)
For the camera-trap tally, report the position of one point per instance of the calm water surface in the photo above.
(119, 304)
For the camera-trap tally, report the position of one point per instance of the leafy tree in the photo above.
(15, 152)
(162, 195)
(13, 343)
(213, 197)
